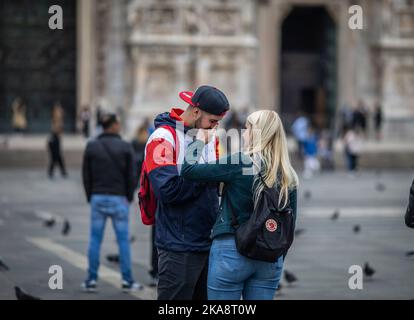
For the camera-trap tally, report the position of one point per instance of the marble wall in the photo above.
(145, 51)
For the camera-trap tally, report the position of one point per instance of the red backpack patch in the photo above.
(146, 196)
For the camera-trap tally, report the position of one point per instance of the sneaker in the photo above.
(89, 285)
(131, 286)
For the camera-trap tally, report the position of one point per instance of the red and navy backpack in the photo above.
(146, 196)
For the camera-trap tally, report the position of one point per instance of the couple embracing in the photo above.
(195, 228)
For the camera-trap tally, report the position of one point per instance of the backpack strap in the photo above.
(176, 146)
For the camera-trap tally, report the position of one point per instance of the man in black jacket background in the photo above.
(109, 178)
(409, 215)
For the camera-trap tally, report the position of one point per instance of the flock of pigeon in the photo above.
(48, 222)
(288, 276)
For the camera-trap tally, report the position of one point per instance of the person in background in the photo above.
(378, 119)
(109, 179)
(325, 147)
(85, 117)
(346, 118)
(353, 145)
(19, 121)
(99, 114)
(55, 153)
(300, 132)
(138, 145)
(310, 150)
(360, 118)
(58, 117)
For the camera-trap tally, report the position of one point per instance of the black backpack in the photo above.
(269, 232)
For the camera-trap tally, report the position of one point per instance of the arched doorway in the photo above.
(308, 65)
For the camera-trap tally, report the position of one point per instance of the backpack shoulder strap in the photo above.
(176, 144)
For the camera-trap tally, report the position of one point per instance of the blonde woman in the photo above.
(232, 275)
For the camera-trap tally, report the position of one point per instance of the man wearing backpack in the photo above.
(109, 178)
(185, 211)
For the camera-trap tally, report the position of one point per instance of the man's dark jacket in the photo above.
(109, 167)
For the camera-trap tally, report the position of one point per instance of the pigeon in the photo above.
(335, 215)
(380, 187)
(113, 258)
(3, 266)
(298, 232)
(21, 295)
(66, 227)
(409, 253)
(132, 239)
(308, 194)
(290, 277)
(368, 270)
(357, 228)
(50, 222)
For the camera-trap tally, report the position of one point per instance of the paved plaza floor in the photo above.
(320, 257)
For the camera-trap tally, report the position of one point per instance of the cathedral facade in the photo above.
(134, 56)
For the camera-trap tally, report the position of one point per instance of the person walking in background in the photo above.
(346, 118)
(138, 145)
(85, 117)
(98, 124)
(109, 179)
(19, 121)
(232, 275)
(409, 214)
(353, 145)
(310, 149)
(55, 154)
(325, 147)
(58, 117)
(300, 132)
(360, 118)
(378, 119)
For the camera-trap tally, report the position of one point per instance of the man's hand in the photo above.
(206, 135)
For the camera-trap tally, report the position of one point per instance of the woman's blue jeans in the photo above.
(232, 276)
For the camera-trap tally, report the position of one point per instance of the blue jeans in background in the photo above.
(116, 208)
(231, 275)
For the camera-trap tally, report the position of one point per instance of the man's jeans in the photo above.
(231, 275)
(116, 208)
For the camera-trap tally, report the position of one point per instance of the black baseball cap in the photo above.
(208, 99)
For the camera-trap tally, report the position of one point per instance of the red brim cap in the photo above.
(187, 96)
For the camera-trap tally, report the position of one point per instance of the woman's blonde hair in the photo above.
(268, 150)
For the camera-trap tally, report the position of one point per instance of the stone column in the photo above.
(85, 54)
